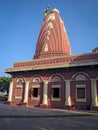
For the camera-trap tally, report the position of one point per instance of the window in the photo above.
(18, 92)
(80, 78)
(81, 93)
(56, 92)
(56, 79)
(37, 79)
(20, 80)
(35, 92)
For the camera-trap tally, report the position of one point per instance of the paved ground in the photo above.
(17, 118)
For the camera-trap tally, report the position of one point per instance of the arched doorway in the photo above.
(18, 91)
(56, 92)
(80, 91)
(35, 91)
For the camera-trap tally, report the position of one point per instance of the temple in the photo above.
(55, 78)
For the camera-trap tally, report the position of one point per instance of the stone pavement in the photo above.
(21, 111)
(19, 117)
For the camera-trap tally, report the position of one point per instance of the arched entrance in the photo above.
(56, 92)
(35, 91)
(18, 91)
(80, 91)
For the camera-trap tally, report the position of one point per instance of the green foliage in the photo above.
(4, 83)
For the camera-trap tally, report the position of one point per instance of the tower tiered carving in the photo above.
(52, 40)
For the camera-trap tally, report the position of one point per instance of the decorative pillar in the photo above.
(26, 92)
(45, 93)
(67, 93)
(10, 92)
(94, 92)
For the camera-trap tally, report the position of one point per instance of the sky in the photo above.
(21, 20)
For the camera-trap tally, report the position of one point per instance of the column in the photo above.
(94, 92)
(45, 93)
(67, 93)
(26, 92)
(10, 92)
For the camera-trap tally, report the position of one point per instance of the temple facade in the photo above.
(55, 78)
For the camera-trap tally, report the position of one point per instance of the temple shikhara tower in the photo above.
(55, 78)
(52, 40)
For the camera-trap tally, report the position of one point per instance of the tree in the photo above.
(4, 84)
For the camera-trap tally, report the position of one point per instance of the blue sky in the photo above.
(21, 20)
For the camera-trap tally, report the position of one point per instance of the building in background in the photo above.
(55, 78)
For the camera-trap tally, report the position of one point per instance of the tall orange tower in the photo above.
(52, 40)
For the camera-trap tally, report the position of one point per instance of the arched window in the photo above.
(80, 77)
(56, 79)
(36, 79)
(19, 80)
